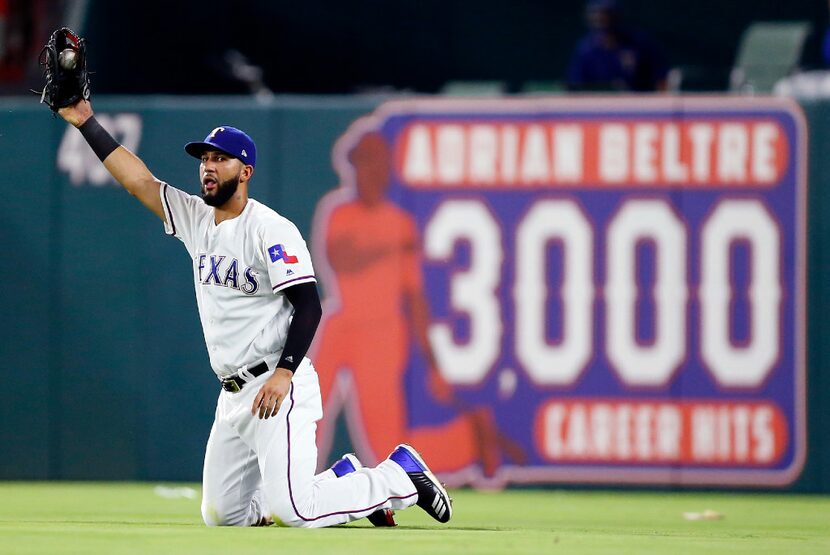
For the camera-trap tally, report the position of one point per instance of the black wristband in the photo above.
(98, 138)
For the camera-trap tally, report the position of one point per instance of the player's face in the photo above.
(220, 175)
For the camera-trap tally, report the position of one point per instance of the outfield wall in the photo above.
(107, 372)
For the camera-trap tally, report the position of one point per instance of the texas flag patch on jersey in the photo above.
(277, 252)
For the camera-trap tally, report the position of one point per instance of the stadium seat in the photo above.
(768, 52)
(474, 88)
(543, 87)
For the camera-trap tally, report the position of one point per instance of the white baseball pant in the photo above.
(257, 468)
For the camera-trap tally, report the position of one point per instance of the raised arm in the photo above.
(125, 167)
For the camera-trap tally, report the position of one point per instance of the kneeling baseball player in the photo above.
(258, 304)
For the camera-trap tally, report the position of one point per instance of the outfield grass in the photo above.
(58, 518)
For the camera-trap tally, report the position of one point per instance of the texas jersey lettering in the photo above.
(230, 274)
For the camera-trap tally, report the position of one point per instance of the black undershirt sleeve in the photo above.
(307, 313)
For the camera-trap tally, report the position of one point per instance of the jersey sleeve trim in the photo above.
(294, 281)
(167, 212)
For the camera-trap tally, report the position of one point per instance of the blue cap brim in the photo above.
(196, 149)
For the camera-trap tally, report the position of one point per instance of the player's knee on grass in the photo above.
(286, 512)
(285, 515)
(217, 513)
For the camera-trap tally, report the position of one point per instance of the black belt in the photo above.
(236, 382)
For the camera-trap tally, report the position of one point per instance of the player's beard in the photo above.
(224, 191)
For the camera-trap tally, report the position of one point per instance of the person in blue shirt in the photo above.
(825, 45)
(612, 57)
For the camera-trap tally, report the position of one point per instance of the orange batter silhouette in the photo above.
(372, 248)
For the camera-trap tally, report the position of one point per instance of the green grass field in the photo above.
(131, 518)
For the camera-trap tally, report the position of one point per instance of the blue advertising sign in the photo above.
(604, 290)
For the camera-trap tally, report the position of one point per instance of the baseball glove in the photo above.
(64, 70)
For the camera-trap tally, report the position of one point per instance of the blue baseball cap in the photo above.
(229, 140)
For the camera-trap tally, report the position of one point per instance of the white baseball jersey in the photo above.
(239, 269)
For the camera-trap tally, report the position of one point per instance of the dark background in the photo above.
(332, 46)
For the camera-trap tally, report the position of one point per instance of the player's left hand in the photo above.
(66, 79)
(267, 402)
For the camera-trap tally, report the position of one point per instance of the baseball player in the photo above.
(259, 308)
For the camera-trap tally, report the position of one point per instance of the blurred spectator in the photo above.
(25, 26)
(825, 44)
(4, 18)
(612, 57)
